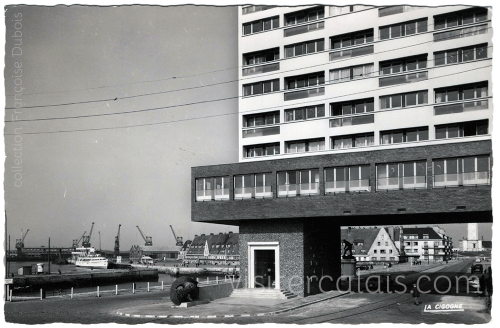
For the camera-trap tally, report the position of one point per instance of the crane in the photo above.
(147, 239)
(86, 239)
(178, 240)
(117, 242)
(20, 243)
(77, 241)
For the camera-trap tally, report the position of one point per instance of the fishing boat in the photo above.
(88, 258)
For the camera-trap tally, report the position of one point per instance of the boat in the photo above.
(87, 257)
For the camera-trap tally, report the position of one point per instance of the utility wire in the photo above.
(218, 115)
(238, 67)
(218, 83)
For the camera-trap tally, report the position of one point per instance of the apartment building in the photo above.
(354, 115)
(428, 244)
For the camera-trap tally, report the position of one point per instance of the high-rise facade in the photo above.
(354, 115)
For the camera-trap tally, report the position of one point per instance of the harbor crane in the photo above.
(77, 241)
(20, 243)
(117, 242)
(147, 239)
(86, 239)
(178, 240)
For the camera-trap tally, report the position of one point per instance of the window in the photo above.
(304, 48)
(461, 33)
(261, 25)
(378, 243)
(461, 93)
(351, 73)
(335, 10)
(472, 170)
(304, 113)
(464, 129)
(302, 81)
(403, 65)
(386, 243)
(403, 100)
(459, 18)
(254, 9)
(253, 186)
(261, 56)
(261, 87)
(348, 178)
(382, 251)
(353, 141)
(261, 119)
(460, 55)
(374, 251)
(304, 16)
(297, 183)
(407, 175)
(221, 191)
(407, 135)
(352, 107)
(403, 29)
(303, 146)
(351, 39)
(261, 150)
(425, 236)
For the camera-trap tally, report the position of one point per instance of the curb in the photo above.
(228, 315)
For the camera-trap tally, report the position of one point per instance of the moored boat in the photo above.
(88, 258)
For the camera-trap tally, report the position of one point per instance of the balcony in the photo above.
(209, 195)
(304, 29)
(261, 132)
(461, 33)
(304, 94)
(261, 69)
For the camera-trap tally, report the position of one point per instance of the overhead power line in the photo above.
(217, 115)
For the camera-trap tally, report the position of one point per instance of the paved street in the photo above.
(352, 308)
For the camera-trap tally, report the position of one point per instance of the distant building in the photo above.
(214, 249)
(184, 249)
(424, 244)
(371, 244)
(472, 243)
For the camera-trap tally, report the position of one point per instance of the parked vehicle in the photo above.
(476, 268)
(363, 267)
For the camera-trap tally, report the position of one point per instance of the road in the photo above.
(354, 308)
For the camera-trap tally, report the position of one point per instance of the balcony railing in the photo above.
(302, 189)
(362, 185)
(304, 29)
(461, 33)
(461, 107)
(402, 79)
(400, 183)
(261, 132)
(210, 194)
(304, 94)
(462, 179)
(253, 192)
(261, 69)
(351, 53)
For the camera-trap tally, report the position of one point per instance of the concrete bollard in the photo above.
(217, 279)
(10, 295)
(116, 290)
(198, 279)
(148, 286)
(208, 279)
(41, 294)
(133, 288)
(71, 292)
(97, 291)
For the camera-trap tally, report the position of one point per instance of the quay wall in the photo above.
(93, 278)
(191, 271)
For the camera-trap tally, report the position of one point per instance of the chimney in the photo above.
(220, 233)
(203, 235)
(195, 236)
(211, 234)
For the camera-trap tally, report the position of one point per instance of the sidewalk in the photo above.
(227, 307)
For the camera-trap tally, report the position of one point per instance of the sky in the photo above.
(129, 169)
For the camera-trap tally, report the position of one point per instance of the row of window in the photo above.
(450, 20)
(445, 131)
(464, 92)
(448, 172)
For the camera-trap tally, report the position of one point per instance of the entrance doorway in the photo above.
(263, 265)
